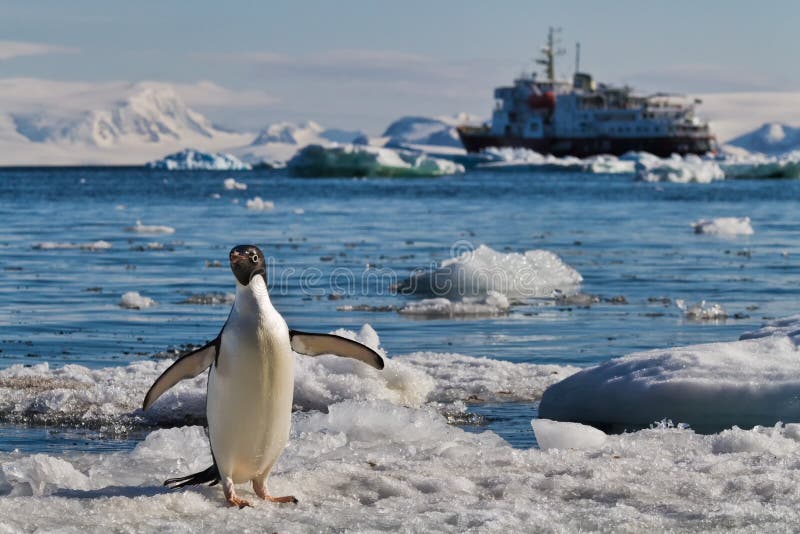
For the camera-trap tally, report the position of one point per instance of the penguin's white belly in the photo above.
(249, 403)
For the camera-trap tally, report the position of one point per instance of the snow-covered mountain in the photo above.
(148, 114)
(426, 131)
(771, 138)
(146, 121)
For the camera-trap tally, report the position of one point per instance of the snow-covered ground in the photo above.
(384, 458)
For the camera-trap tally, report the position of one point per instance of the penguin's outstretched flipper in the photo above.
(187, 366)
(316, 344)
(208, 475)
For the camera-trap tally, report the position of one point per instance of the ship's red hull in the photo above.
(584, 147)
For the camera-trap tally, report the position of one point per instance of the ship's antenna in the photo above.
(577, 58)
(550, 52)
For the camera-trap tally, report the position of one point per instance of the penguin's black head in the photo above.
(247, 261)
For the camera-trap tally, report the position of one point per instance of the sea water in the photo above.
(336, 249)
(108, 273)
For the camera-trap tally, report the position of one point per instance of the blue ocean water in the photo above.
(326, 239)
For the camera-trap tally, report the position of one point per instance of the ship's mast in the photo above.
(550, 52)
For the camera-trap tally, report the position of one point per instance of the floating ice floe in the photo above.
(363, 160)
(140, 228)
(724, 226)
(701, 311)
(493, 303)
(231, 184)
(259, 204)
(689, 168)
(191, 160)
(523, 159)
(52, 245)
(750, 166)
(753, 381)
(533, 274)
(111, 398)
(209, 299)
(132, 300)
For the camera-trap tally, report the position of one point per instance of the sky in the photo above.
(361, 64)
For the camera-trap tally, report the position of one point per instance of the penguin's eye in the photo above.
(254, 257)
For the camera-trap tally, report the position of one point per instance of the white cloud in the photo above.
(12, 49)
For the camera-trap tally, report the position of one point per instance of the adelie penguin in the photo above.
(250, 382)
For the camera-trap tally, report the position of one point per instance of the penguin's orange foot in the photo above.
(261, 491)
(288, 498)
(233, 500)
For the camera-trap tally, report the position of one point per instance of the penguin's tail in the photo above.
(210, 476)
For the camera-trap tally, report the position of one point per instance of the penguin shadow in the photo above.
(113, 491)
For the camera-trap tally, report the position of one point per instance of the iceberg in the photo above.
(690, 168)
(724, 226)
(362, 160)
(479, 272)
(753, 381)
(191, 160)
(749, 166)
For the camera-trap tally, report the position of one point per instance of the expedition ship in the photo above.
(584, 118)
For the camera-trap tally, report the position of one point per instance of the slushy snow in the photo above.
(723, 226)
(395, 464)
(110, 398)
(378, 467)
(753, 381)
(192, 160)
(476, 273)
(363, 160)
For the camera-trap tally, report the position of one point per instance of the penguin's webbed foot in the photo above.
(230, 495)
(261, 490)
(233, 500)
